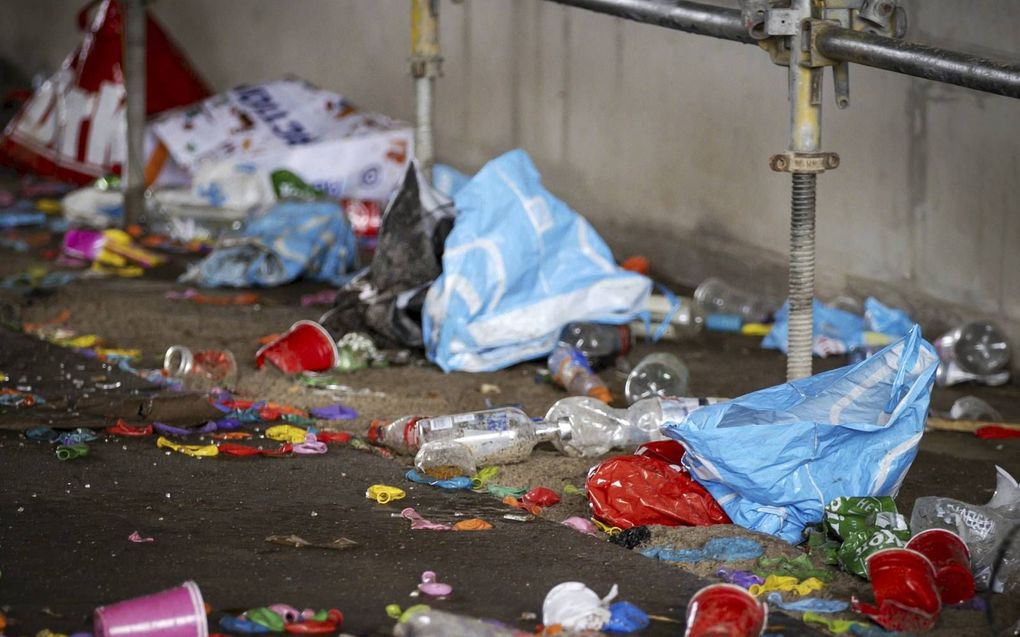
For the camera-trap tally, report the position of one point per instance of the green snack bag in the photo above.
(866, 525)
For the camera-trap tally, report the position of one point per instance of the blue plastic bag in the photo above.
(292, 239)
(774, 458)
(835, 331)
(448, 180)
(519, 264)
(886, 320)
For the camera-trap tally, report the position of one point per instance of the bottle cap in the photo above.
(601, 393)
(375, 431)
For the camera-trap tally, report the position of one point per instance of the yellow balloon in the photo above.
(286, 433)
(383, 493)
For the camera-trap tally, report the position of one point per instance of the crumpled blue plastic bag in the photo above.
(518, 266)
(886, 320)
(293, 239)
(838, 331)
(835, 331)
(774, 458)
(448, 180)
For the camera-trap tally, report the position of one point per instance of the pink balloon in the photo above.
(430, 586)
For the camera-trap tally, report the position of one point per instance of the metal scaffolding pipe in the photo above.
(805, 137)
(836, 43)
(679, 15)
(425, 62)
(134, 85)
(920, 60)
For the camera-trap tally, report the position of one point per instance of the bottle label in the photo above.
(497, 422)
(441, 423)
(572, 362)
(411, 433)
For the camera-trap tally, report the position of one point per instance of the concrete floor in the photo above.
(63, 526)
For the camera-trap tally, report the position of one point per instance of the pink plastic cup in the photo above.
(306, 347)
(951, 558)
(178, 612)
(725, 610)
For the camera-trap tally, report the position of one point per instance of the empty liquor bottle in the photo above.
(401, 435)
(458, 447)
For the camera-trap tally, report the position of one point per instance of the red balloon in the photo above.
(234, 449)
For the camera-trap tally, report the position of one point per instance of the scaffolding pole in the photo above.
(425, 62)
(807, 37)
(134, 81)
(837, 43)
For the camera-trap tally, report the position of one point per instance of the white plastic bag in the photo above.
(285, 124)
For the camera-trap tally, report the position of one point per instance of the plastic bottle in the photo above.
(401, 435)
(715, 296)
(600, 343)
(436, 623)
(661, 374)
(973, 352)
(978, 348)
(685, 318)
(460, 444)
(593, 428)
(200, 370)
(570, 369)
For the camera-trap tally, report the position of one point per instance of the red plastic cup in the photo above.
(306, 347)
(906, 592)
(951, 558)
(178, 612)
(725, 610)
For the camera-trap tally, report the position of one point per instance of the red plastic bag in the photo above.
(651, 487)
(74, 127)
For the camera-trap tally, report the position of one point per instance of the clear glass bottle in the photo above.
(401, 435)
(407, 435)
(462, 448)
(593, 428)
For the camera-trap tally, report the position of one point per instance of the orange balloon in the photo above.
(472, 524)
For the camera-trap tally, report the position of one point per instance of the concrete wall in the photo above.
(661, 138)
